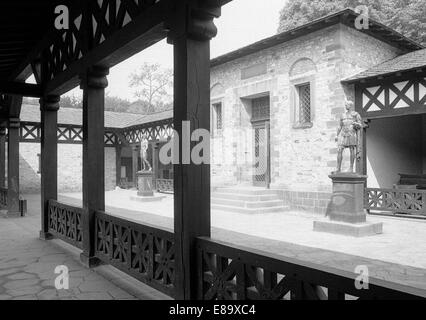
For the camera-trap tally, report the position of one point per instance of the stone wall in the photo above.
(302, 157)
(69, 168)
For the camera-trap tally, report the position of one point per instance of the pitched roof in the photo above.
(345, 16)
(407, 62)
(116, 120)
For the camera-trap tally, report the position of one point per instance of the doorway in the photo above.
(260, 123)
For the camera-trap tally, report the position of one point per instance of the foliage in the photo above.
(405, 16)
(152, 83)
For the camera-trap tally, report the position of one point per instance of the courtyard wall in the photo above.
(302, 157)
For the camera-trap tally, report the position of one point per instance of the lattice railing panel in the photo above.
(228, 272)
(31, 132)
(164, 185)
(154, 131)
(65, 222)
(396, 200)
(144, 252)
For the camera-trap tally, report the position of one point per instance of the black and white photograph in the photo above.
(205, 151)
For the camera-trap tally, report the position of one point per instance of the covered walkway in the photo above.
(27, 268)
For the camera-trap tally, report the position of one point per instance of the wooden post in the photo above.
(2, 157)
(93, 83)
(49, 107)
(117, 165)
(13, 168)
(190, 35)
(135, 164)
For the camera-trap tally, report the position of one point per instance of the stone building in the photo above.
(276, 105)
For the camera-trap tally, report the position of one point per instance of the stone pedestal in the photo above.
(145, 187)
(346, 214)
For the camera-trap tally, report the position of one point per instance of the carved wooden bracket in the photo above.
(195, 20)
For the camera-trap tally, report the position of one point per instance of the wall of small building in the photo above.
(301, 158)
(394, 145)
(70, 164)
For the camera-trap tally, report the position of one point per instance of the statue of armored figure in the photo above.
(146, 166)
(349, 136)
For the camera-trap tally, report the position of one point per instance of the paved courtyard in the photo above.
(27, 264)
(402, 241)
(399, 254)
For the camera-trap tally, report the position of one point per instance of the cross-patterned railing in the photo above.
(229, 272)
(164, 185)
(65, 222)
(70, 134)
(156, 130)
(396, 200)
(3, 196)
(144, 252)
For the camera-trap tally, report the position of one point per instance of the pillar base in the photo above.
(349, 229)
(45, 236)
(346, 208)
(145, 187)
(347, 201)
(89, 262)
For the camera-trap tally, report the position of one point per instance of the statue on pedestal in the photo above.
(146, 166)
(349, 136)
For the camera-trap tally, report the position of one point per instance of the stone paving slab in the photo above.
(27, 269)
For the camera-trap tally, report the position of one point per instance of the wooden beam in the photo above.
(49, 159)
(192, 104)
(13, 168)
(20, 88)
(2, 157)
(94, 82)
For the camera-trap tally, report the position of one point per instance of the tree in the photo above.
(152, 84)
(405, 16)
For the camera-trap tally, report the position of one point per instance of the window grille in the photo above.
(217, 116)
(304, 94)
(260, 109)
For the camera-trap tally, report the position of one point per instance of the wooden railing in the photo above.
(65, 223)
(164, 185)
(224, 271)
(3, 196)
(396, 200)
(147, 253)
(229, 272)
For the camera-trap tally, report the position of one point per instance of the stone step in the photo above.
(247, 204)
(244, 197)
(248, 210)
(247, 191)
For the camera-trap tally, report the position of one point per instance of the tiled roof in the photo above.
(31, 113)
(345, 16)
(410, 61)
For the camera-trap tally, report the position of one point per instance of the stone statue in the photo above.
(349, 136)
(146, 166)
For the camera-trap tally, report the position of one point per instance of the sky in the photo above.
(242, 22)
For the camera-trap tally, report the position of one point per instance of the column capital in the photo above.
(14, 123)
(95, 77)
(195, 21)
(50, 103)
